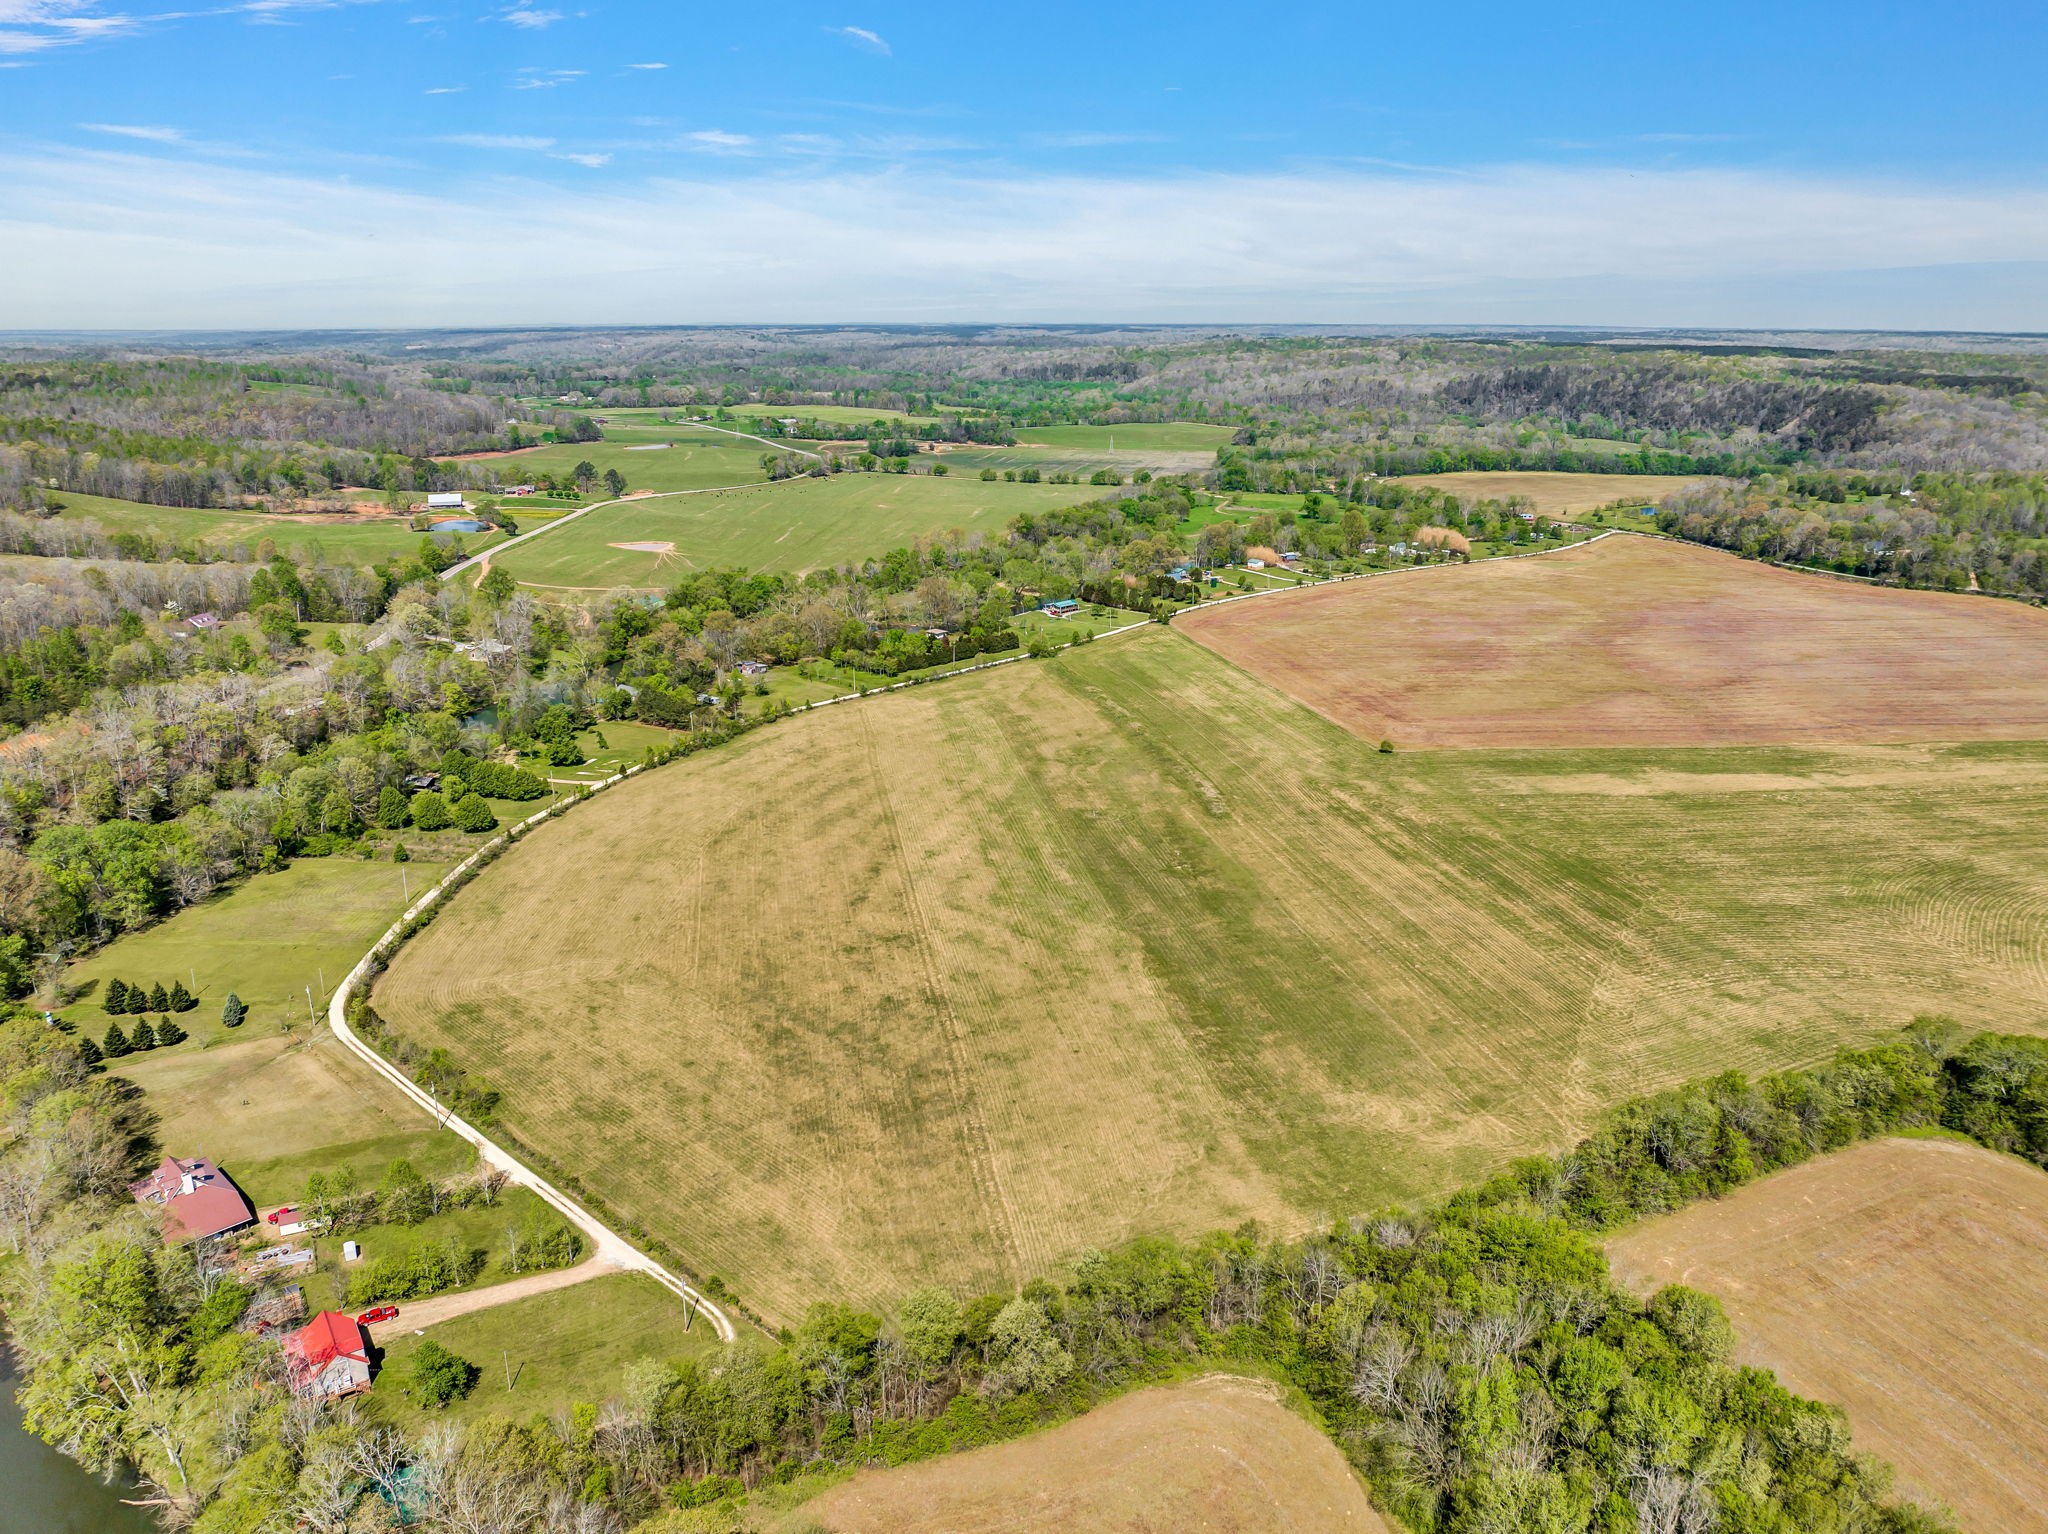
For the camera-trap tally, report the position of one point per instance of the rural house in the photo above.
(1066, 607)
(203, 621)
(197, 1199)
(328, 1357)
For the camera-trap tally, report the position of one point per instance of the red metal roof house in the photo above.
(197, 1199)
(328, 1357)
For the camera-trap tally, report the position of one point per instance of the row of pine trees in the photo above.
(122, 998)
(145, 1034)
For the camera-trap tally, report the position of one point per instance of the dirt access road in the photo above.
(418, 1315)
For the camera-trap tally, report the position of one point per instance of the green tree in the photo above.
(615, 482)
(436, 1376)
(168, 1032)
(430, 812)
(1026, 1355)
(159, 998)
(497, 587)
(473, 815)
(115, 1000)
(144, 1036)
(181, 999)
(391, 810)
(232, 1011)
(89, 1052)
(585, 472)
(400, 855)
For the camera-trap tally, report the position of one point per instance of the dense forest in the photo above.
(180, 431)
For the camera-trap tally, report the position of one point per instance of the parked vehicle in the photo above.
(381, 1313)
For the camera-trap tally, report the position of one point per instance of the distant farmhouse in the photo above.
(197, 1199)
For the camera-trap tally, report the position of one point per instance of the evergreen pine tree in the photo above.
(116, 1042)
(473, 815)
(144, 1036)
(89, 1052)
(231, 1011)
(158, 1000)
(391, 810)
(138, 998)
(181, 999)
(400, 855)
(168, 1032)
(116, 999)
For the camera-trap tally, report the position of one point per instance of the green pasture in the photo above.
(266, 939)
(697, 461)
(241, 534)
(558, 1348)
(1132, 437)
(797, 524)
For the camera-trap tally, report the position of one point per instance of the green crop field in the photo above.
(242, 533)
(955, 983)
(796, 524)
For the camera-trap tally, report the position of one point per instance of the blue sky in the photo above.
(341, 162)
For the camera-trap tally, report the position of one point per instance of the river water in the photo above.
(42, 1492)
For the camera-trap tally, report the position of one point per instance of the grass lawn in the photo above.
(242, 533)
(798, 524)
(266, 939)
(273, 1110)
(625, 744)
(951, 984)
(566, 1346)
(476, 1228)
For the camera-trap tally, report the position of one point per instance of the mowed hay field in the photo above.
(1216, 1454)
(952, 983)
(1904, 1280)
(1554, 494)
(696, 460)
(1636, 641)
(796, 524)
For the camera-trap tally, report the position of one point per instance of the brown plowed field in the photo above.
(1904, 1280)
(1634, 641)
(1555, 494)
(1220, 1455)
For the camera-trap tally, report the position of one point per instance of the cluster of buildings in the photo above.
(329, 1357)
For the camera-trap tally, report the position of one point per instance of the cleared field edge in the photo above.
(1059, 1458)
(1816, 1264)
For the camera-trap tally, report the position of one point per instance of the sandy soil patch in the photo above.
(1905, 1280)
(1636, 641)
(1218, 1454)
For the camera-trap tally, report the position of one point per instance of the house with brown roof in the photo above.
(328, 1357)
(196, 1197)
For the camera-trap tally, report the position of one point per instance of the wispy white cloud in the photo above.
(647, 66)
(446, 90)
(861, 37)
(497, 141)
(1084, 139)
(155, 135)
(536, 79)
(127, 238)
(593, 161)
(532, 20)
(717, 139)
